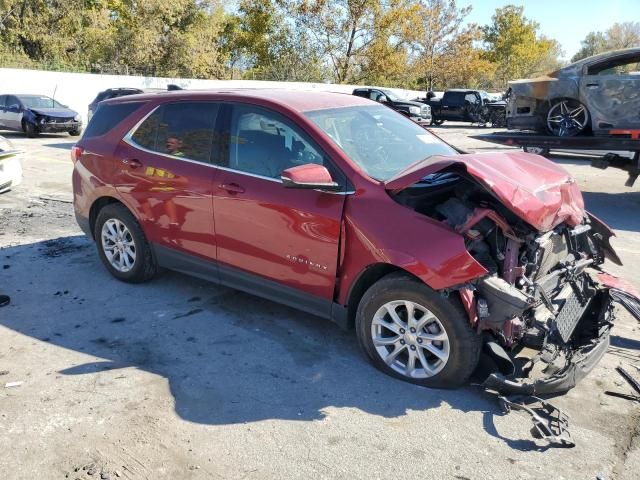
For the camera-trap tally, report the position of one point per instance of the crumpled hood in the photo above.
(55, 112)
(535, 189)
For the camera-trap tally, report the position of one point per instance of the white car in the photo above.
(10, 166)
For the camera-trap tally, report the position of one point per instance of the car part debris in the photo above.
(630, 380)
(549, 422)
(625, 396)
(12, 384)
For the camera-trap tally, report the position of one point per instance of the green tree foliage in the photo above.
(515, 47)
(619, 35)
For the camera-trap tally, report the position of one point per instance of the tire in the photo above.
(75, 133)
(437, 122)
(143, 267)
(567, 118)
(30, 129)
(463, 343)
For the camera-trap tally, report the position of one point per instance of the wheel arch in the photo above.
(98, 205)
(365, 279)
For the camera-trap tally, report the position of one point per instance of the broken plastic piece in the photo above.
(549, 422)
(12, 384)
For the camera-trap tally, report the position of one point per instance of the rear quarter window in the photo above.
(108, 116)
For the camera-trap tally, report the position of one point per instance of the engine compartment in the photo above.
(540, 291)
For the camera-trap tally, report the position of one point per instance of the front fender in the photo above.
(398, 236)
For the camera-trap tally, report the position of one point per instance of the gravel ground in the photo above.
(179, 378)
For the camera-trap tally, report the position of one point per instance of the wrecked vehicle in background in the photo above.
(466, 105)
(594, 95)
(345, 209)
(10, 166)
(35, 114)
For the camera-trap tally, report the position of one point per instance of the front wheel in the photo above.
(75, 133)
(413, 333)
(122, 245)
(437, 121)
(30, 129)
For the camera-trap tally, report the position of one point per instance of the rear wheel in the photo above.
(413, 333)
(122, 245)
(567, 118)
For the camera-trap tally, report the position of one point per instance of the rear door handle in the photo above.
(132, 163)
(232, 188)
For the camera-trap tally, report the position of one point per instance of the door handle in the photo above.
(593, 85)
(232, 187)
(132, 163)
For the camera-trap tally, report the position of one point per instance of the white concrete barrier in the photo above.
(77, 90)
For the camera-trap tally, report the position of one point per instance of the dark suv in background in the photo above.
(122, 92)
(110, 93)
(416, 111)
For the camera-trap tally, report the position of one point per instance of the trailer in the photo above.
(611, 147)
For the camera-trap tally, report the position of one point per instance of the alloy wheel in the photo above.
(567, 118)
(410, 339)
(118, 245)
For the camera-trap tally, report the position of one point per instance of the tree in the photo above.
(264, 45)
(513, 44)
(439, 27)
(618, 36)
(342, 30)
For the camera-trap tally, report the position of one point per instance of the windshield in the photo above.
(392, 96)
(39, 101)
(379, 140)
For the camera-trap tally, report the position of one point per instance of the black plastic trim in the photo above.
(248, 282)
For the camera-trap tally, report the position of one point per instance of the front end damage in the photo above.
(546, 308)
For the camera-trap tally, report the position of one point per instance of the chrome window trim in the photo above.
(128, 139)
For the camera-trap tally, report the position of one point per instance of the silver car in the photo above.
(594, 95)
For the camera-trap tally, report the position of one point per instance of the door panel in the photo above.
(612, 99)
(13, 119)
(164, 173)
(287, 235)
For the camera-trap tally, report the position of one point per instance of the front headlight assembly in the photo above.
(414, 110)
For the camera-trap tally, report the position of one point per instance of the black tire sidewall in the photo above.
(144, 265)
(464, 342)
(30, 129)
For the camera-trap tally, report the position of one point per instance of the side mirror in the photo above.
(309, 176)
(14, 108)
(381, 99)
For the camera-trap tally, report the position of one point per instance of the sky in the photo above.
(567, 21)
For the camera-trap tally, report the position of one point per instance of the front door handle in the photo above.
(132, 163)
(232, 188)
(593, 85)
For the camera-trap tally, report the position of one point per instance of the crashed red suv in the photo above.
(347, 210)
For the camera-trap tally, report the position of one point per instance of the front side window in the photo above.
(183, 129)
(265, 143)
(627, 65)
(379, 140)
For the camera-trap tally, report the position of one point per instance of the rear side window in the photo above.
(184, 129)
(107, 117)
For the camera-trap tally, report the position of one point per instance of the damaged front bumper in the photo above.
(582, 352)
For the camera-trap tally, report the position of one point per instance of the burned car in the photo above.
(591, 96)
(347, 210)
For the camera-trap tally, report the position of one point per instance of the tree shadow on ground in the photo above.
(229, 357)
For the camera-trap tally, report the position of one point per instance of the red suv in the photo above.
(348, 210)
